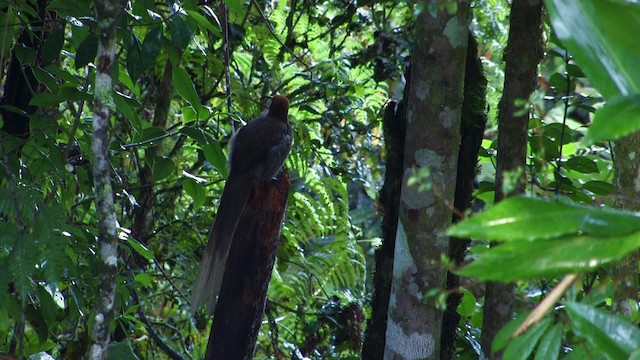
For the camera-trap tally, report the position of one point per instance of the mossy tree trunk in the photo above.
(107, 16)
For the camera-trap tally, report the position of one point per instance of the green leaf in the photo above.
(150, 133)
(467, 306)
(529, 259)
(582, 164)
(46, 99)
(549, 348)
(599, 187)
(121, 350)
(597, 35)
(185, 88)
(51, 48)
(135, 60)
(522, 346)
(44, 77)
(503, 336)
(196, 191)
(144, 279)
(87, 51)
(206, 23)
(514, 219)
(139, 248)
(618, 118)
(180, 33)
(614, 337)
(162, 168)
(121, 105)
(210, 146)
(151, 46)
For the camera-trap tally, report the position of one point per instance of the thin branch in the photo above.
(270, 28)
(171, 352)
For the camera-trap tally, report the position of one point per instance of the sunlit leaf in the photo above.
(139, 248)
(511, 261)
(549, 347)
(524, 218)
(598, 36)
(522, 346)
(612, 336)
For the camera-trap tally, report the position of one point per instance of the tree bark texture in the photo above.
(627, 183)
(107, 14)
(473, 122)
(522, 55)
(432, 142)
(243, 294)
(394, 127)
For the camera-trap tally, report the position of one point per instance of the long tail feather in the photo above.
(234, 198)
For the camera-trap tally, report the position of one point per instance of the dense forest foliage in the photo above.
(558, 235)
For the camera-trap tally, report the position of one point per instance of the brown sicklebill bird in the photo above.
(258, 151)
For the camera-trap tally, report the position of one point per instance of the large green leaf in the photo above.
(602, 37)
(523, 218)
(529, 259)
(186, 89)
(609, 334)
(620, 117)
(210, 146)
(522, 346)
(87, 51)
(549, 348)
(180, 33)
(151, 46)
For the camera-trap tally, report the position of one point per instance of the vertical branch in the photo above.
(521, 57)
(472, 126)
(107, 13)
(227, 61)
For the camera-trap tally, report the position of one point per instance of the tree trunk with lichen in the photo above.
(394, 127)
(627, 178)
(472, 126)
(107, 15)
(522, 55)
(431, 145)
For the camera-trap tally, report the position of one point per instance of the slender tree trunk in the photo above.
(243, 295)
(627, 173)
(431, 145)
(394, 125)
(107, 13)
(143, 216)
(522, 55)
(474, 119)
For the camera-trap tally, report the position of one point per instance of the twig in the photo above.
(172, 353)
(270, 28)
(545, 305)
